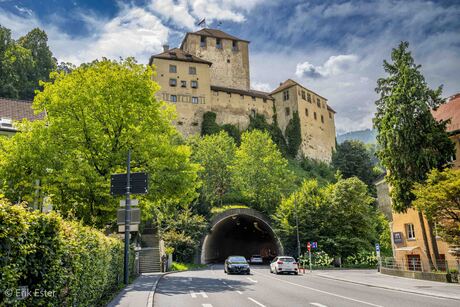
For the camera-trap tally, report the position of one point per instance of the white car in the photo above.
(256, 259)
(284, 264)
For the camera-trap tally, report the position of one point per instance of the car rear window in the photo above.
(237, 259)
(287, 259)
(256, 256)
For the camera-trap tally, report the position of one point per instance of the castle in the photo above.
(210, 73)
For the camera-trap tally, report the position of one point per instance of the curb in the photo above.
(389, 288)
(150, 301)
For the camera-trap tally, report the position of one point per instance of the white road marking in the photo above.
(239, 292)
(321, 291)
(261, 305)
(318, 304)
(194, 294)
(206, 305)
(251, 279)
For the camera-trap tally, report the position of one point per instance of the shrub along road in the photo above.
(211, 287)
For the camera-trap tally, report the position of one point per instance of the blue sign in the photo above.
(377, 247)
(314, 244)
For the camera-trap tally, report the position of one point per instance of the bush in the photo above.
(80, 265)
(363, 259)
(318, 259)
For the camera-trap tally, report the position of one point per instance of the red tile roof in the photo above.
(177, 54)
(18, 109)
(450, 110)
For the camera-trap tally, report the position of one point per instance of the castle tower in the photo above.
(229, 56)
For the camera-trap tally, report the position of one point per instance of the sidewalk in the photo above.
(372, 278)
(139, 293)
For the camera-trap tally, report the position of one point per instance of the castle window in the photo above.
(288, 111)
(306, 112)
(194, 84)
(203, 41)
(173, 98)
(410, 232)
(241, 96)
(253, 113)
(253, 98)
(218, 43)
(172, 82)
(324, 105)
(303, 95)
(234, 45)
(330, 115)
(309, 97)
(192, 70)
(228, 60)
(172, 68)
(322, 119)
(318, 102)
(314, 115)
(183, 83)
(286, 95)
(194, 100)
(264, 99)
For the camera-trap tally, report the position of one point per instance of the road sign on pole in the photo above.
(377, 251)
(308, 246)
(314, 244)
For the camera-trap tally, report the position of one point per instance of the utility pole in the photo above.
(127, 217)
(297, 227)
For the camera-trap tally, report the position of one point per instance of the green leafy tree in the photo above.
(411, 142)
(293, 135)
(351, 158)
(209, 125)
(215, 153)
(94, 115)
(439, 198)
(259, 171)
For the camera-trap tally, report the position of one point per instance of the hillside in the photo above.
(367, 136)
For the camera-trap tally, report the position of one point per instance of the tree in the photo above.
(259, 171)
(259, 122)
(351, 158)
(439, 198)
(411, 142)
(209, 125)
(215, 153)
(93, 116)
(293, 135)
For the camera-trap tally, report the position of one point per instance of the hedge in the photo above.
(78, 265)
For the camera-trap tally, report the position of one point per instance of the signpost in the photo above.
(127, 184)
(377, 251)
(309, 255)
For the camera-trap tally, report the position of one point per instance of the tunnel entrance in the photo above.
(243, 232)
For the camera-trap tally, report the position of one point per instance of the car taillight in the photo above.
(280, 262)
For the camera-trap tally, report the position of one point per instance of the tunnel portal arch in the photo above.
(241, 231)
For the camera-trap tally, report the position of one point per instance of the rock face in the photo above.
(210, 72)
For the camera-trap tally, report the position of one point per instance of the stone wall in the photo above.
(230, 68)
(433, 276)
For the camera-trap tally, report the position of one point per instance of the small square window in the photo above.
(218, 43)
(173, 68)
(194, 100)
(183, 83)
(318, 102)
(203, 41)
(330, 115)
(314, 115)
(286, 95)
(192, 70)
(309, 97)
(303, 95)
(306, 112)
(288, 111)
(228, 60)
(194, 84)
(234, 45)
(322, 119)
(172, 82)
(253, 98)
(241, 96)
(173, 98)
(264, 100)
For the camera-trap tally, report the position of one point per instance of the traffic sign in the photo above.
(314, 244)
(308, 246)
(377, 247)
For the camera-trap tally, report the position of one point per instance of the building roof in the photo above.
(177, 54)
(17, 110)
(450, 110)
(252, 93)
(216, 33)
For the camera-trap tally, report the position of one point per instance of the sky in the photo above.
(335, 48)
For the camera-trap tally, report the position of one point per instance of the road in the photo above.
(211, 287)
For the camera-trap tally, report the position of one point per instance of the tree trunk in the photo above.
(425, 240)
(434, 244)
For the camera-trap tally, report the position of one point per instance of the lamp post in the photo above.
(297, 227)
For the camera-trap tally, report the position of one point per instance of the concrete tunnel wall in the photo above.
(243, 232)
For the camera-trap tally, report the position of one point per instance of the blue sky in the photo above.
(335, 48)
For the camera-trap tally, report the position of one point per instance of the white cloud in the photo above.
(335, 65)
(261, 86)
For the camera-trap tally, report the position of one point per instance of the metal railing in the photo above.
(414, 264)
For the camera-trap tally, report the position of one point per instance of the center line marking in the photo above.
(251, 279)
(318, 304)
(239, 292)
(194, 294)
(321, 291)
(261, 305)
(206, 305)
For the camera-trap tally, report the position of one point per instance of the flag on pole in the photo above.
(202, 22)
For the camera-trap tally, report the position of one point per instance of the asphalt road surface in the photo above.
(211, 287)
